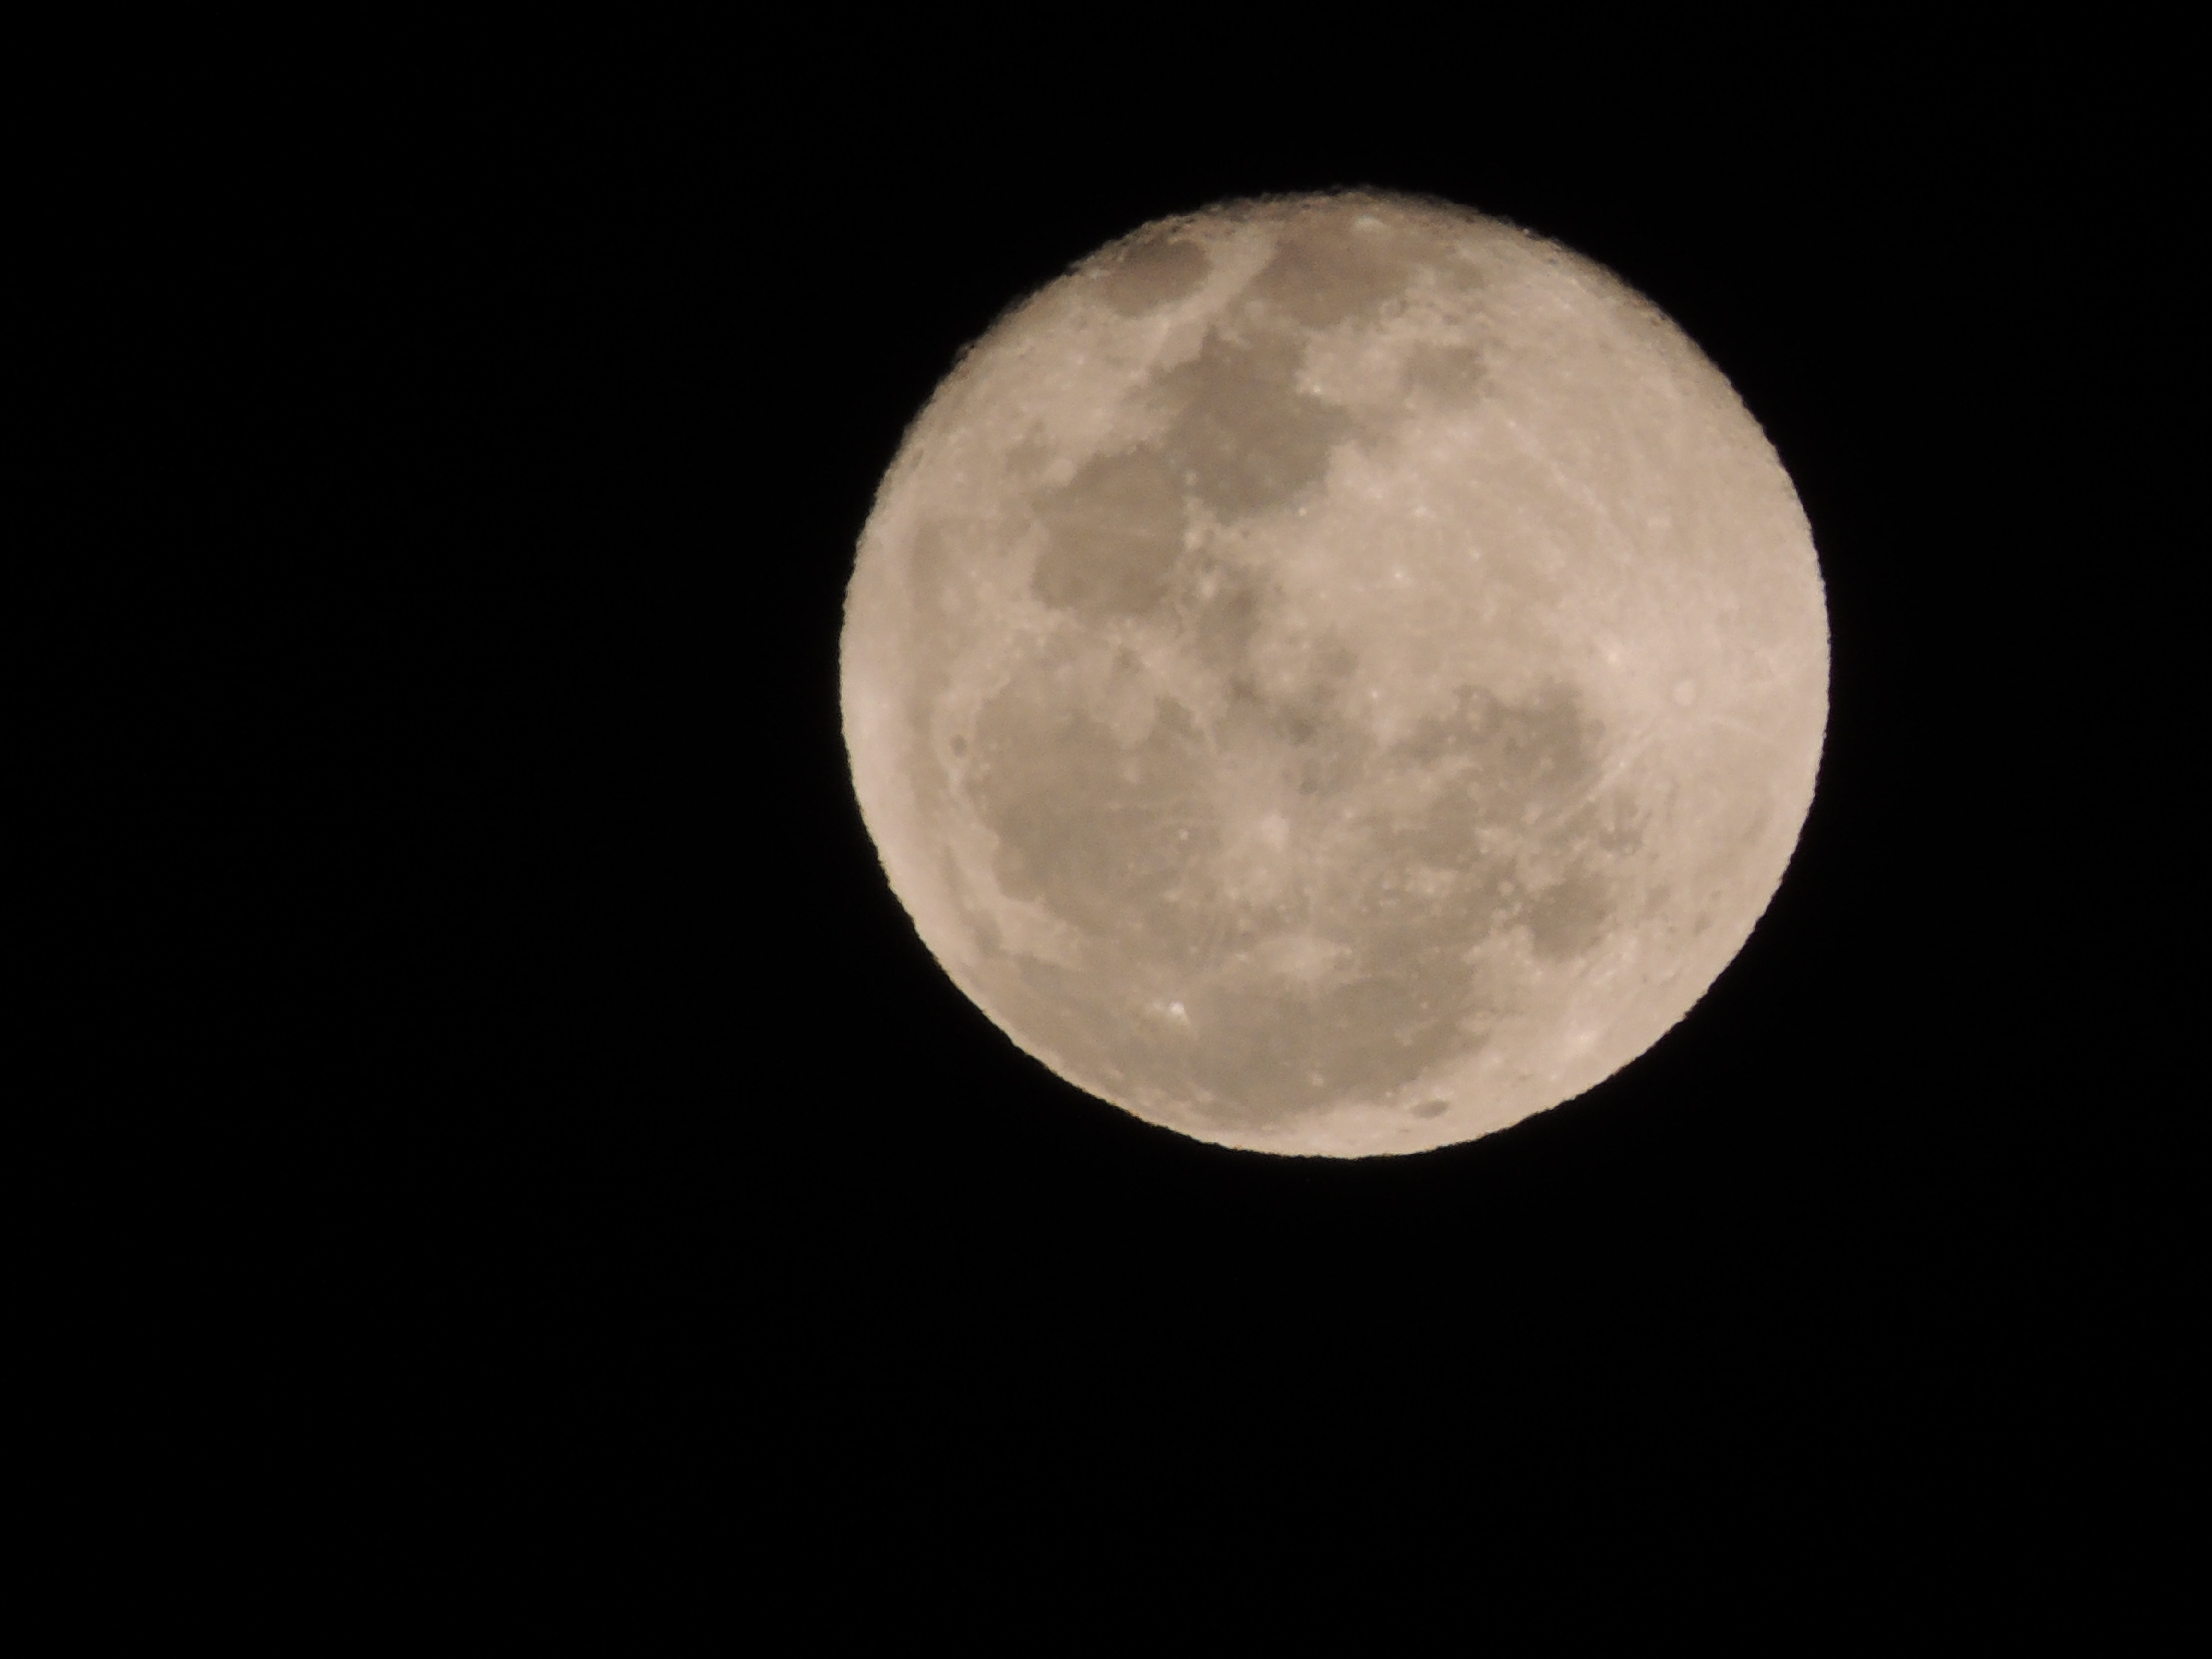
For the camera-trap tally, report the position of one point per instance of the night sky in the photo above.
(594, 1091)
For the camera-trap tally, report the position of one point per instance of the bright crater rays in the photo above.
(1336, 675)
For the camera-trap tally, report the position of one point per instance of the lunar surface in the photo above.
(1336, 675)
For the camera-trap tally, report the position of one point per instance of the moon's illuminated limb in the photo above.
(1336, 675)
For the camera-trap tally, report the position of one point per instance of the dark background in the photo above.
(601, 1100)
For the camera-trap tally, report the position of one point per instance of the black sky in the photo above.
(612, 1071)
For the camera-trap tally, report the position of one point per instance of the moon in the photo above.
(1335, 675)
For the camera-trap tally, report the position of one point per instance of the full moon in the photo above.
(1334, 674)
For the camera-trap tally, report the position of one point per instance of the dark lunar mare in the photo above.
(1126, 844)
